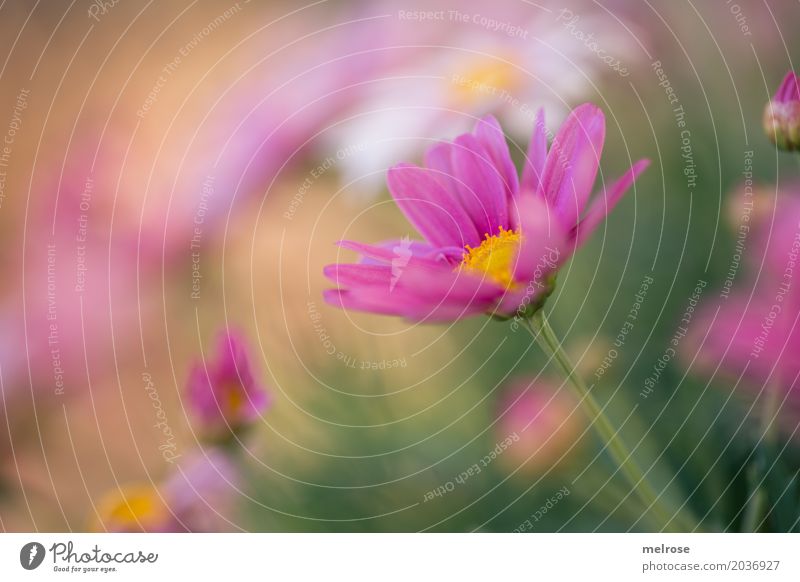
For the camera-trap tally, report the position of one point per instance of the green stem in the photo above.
(542, 332)
(757, 506)
(769, 410)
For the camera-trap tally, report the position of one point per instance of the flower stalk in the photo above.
(757, 505)
(541, 331)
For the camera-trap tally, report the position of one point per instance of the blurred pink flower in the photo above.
(198, 496)
(542, 420)
(223, 391)
(176, 168)
(782, 114)
(77, 303)
(753, 330)
(492, 240)
(202, 491)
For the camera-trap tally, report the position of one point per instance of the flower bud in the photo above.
(543, 421)
(782, 115)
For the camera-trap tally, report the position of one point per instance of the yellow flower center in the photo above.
(132, 509)
(495, 256)
(234, 400)
(484, 78)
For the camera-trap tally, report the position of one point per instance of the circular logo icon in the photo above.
(31, 555)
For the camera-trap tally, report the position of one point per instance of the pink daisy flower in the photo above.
(493, 241)
(223, 390)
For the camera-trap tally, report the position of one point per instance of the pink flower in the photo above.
(782, 114)
(198, 496)
(223, 390)
(493, 241)
(202, 492)
(541, 419)
(78, 296)
(753, 330)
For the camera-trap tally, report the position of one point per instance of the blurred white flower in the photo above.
(508, 62)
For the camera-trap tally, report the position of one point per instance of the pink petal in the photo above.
(512, 300)
(349, 275)
(606, 203)
(438, 159)
(415, 248)
(427, 205)
(491, 136)
(444, 282)
(572, 162)
(448, 312)
(409, 306)
(417, 290)
(480, 184)
(543, 247)
(379, 252)
(789, 89)
(348, 299)
(537, 154)
(516, 301)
